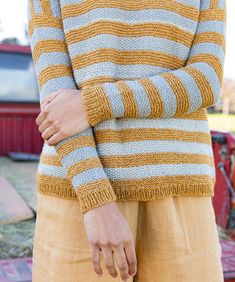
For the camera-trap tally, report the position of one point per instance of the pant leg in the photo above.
(61, 252)
(177, 240)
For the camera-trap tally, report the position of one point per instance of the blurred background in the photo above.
(21, 144)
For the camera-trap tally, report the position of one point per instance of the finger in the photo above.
(57, 137)
(41, 117)
(48, 133)
(131, 257)
(108, 260)
(50, 97)
(95, 253)
(44, 125)
(122, 262)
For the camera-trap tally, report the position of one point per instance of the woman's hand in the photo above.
(62, 115)
(108, 230)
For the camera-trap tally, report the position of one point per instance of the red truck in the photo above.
(19, 101)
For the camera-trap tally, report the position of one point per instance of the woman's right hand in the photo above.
(108, 231)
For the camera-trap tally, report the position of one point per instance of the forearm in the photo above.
(77, 153)
(171, 93)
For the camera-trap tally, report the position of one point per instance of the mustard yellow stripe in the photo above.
(134, 160)
(46, 7)
(130, 160)
(212, 15)
(164, 181)
(84, 165)
(97, 104)
(155, 99)
(214, 4)
(98, 79)
(141, 134)
(135, 189)
(100, 193)
(173, 6)
(127, 57)
(180, 92)
(130, 107)
(75, 143)
(44, 21)
(93, 187)
(58, 183)
(46, 46)
(52, 160)
(31, 7)
(211, 60)
(200, 114)
(54, 72)
(204, 86)
(209, 37)
(164, 30)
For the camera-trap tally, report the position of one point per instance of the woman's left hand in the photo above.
(62, 115)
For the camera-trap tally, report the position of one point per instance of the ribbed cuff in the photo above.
(96, 104)
(95, 196)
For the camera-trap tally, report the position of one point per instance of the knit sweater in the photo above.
(147, 71)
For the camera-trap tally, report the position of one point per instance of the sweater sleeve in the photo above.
(171, 93)
(77, 154)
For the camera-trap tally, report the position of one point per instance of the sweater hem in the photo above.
(143, 193)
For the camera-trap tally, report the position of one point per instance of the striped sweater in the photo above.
(147, 71)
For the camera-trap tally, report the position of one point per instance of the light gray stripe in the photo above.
(222, 4)
(171, 123)
(78, 155)
(167, 95)
(46, 33)
(194, 3)
(192, 88)
(141, 98)
(71, 2)
(55, 7)
(136, 16)
(55, 84)
(52, 58)
(121, 71)
(37, 7)
(205, 5)
(159, 170)
(87, 176)
(148, 43)
(209, 72)
(52, 170)
(208, 26)
(152, 146)
(115, 99)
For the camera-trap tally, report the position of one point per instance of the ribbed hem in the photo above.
(99, 196)
(90, 195)
(96, 198)
(162, 191)
(96, 104)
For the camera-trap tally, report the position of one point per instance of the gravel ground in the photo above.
(16, 240)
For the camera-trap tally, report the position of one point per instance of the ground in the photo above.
(16, 240)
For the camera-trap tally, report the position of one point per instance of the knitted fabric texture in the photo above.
(147, 71)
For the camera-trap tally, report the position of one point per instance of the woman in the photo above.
(126, 174)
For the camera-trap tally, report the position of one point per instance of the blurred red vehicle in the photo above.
(19, 101)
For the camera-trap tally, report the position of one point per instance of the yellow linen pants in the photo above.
(176, 240)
